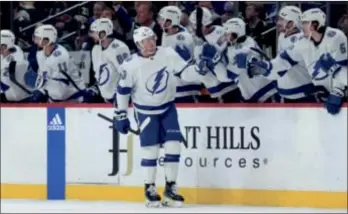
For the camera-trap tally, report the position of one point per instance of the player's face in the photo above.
(149, 45)
(230, 38)
(306, 28)
(164, 23)
(281, 24)
(101, 35)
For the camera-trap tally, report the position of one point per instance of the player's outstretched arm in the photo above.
(336, 63)
(123, 93)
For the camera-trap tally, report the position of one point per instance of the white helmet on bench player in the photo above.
(169, 16)
(310, 16)
(103, 27)
(7, 38)
(234, 29)
(289, 14)
(45, 32)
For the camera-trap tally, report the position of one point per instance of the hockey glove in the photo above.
(259, 67)
(329, 64)
(38, 97)
(121, 122)
(202, 67)
(90, 94)
(241, 60)
(334, 103)
(209, 58)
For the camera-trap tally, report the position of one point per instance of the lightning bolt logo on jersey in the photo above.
(151, 82)
(157, 83)
(106, 66)
(104, 75)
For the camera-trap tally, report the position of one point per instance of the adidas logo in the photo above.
(56, 124)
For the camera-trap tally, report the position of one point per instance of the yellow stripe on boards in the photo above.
(315, 199)
(24, 191)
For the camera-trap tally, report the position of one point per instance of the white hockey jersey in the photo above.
(183, 42)
(222, 84)
(106, 66)
(255, 89)
(294, 83)
(59, 76)
(13, 84)
(151, 82)
(334, 42)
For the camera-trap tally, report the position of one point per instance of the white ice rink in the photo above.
(26, 206)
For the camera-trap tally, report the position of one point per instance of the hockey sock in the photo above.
(171, 160)
(149, 163)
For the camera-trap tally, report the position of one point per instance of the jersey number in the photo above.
(120, 58)
(343, 49)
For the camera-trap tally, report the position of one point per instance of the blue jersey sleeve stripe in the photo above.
(219, 87)
(284, 55)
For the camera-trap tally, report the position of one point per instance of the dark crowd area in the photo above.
(73, 25)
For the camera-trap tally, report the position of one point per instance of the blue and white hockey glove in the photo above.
(208, 59)
(38, 97)
(334, 102)
(329, 64)
(90, 94)
(259, 67)
(202, 67)
(254, 66)
(241, 60)
(121, 122)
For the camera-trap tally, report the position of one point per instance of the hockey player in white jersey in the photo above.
(181, 41)
(13, 70)
(210, 45)
(149, 78)
(107, 56)
(294, 85)
(324, 52)
(253, 89)
(58, 77)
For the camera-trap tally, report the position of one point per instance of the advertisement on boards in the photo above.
(226, 148)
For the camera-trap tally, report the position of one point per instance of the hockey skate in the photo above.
(153, 199)
(171, 198)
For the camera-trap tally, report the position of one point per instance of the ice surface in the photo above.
(32, 206)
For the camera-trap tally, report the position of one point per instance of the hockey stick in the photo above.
(70, 80)
(136, 132)
(261, 53)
